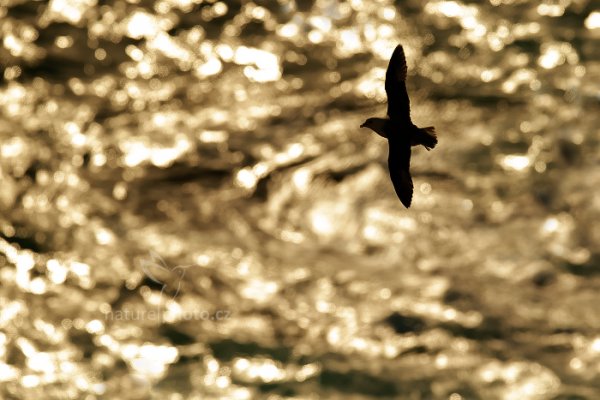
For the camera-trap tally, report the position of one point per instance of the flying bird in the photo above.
(398, 128)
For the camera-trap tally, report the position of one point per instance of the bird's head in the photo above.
(369, 123)
(375, 124)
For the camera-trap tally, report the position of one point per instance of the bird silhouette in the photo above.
(398, 128)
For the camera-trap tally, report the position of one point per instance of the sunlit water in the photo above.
(190, 210)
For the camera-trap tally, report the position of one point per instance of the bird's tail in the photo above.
(427, 137)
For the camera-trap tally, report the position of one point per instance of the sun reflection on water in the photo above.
(224, 137)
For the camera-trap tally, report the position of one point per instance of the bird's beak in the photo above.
(362, 125)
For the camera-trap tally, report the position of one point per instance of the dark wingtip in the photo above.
(403, 186)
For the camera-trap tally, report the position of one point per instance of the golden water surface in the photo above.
(189, 210)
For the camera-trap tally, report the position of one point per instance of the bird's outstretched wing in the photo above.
(395, 86)
(399, 165)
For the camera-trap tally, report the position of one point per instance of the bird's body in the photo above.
(398, 128)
